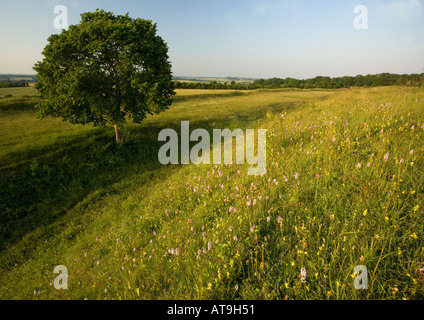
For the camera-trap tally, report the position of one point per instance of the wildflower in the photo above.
(248, 203)
(365, 212)
(413, 127)
(268, 219)
(235, 238)
(231, 209)
(401, 161)
(279, 219)
(368, 164)
(236, 287)
(303, 275)
(252, 229)
(209, 245)
(358, 165)
(386, 157)
(411, 152)
(318, 176)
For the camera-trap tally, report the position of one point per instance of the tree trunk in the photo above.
(118, 134)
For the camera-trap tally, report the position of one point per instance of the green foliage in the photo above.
(383, 79)
(105, 70)
(13, 84)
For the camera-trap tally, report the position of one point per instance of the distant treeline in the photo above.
(382, 79)
(13, 84)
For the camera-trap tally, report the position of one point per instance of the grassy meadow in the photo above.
(343, 187)
(18, 92)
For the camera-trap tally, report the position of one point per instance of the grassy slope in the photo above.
(113, 214)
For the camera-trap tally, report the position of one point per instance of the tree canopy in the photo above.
(106, 70)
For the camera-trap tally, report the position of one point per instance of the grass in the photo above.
(18, 92)
(115, 217)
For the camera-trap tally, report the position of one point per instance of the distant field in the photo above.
(217, 79)
(190, 92)
(18, 92)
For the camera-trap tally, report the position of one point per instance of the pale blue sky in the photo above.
(243, 38)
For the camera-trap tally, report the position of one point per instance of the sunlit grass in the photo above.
(17, 92)
(344, 187)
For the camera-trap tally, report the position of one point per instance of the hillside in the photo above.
(343, 187)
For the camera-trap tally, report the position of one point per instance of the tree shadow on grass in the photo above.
(46, 183)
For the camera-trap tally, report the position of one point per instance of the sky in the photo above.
(242, 38)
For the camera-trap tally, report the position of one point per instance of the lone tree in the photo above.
(106, 70)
